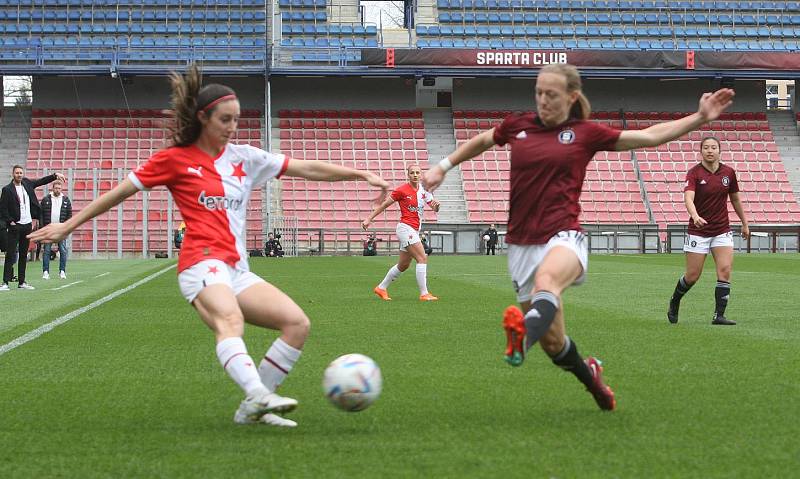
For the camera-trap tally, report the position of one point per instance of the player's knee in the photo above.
(300, 325)
(229, 324)
(724, 272)
(422, 259)
(544, 281)
(402, 266)
(691, 277)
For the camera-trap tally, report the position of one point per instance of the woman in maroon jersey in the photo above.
(708, 186)
(547, 252)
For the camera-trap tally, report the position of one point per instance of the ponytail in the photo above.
(189, 98)
(581, 109)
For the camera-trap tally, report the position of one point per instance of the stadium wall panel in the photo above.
(605, 95)
(143, 92)
(342, 93)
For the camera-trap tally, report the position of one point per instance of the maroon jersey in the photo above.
(711, 192)
(547, 170)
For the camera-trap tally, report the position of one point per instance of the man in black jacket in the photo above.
(56, 208)
(19, 207)
(491, 242)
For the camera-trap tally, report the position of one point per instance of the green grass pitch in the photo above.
(133, 388)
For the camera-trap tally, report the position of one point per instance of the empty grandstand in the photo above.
(320, 81)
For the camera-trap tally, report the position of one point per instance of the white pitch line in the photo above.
(30, 336)
(66, 285)
(102, 274)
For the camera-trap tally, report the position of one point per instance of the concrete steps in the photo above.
(784, 130)
(14, 135)
(441, 142)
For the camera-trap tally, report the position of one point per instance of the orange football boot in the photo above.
(428, 297)
(382, 293)
(514, 325)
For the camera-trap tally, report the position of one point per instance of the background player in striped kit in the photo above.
(412, 198)
(211, 180)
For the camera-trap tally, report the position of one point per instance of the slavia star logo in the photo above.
(238, 171)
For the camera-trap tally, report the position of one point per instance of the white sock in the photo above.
(422, 278)
(392, 275)
(277, 363)
(232, 354)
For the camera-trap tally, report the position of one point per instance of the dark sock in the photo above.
(540, 317)
(681, 288)
(722, 293)
(569, 360)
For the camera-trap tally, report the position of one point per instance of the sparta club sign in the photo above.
(519, 59)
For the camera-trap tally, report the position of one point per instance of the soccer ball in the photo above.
(485, 237)
(352, 382)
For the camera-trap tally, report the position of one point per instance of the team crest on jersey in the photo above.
(565, 137)
(726, 181)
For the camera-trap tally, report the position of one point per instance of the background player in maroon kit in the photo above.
(547, 249)
(211, 180)
(708, 186)
(412, 198)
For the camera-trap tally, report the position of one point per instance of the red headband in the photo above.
(220, 99)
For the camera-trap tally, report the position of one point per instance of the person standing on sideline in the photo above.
(19, 208)
(491, 243)
(412, 198)
(211, 180)
(550, 151)
(56, 208)
(709, 184)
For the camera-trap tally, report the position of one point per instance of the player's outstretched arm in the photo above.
(55, 232)
(711, 106)
(376, 211)
(321, 171)
(472, 148)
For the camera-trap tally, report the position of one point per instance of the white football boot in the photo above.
(275, 420)
(252, 408)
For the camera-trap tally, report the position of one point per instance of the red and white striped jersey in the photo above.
(212, 196)
(412, 204)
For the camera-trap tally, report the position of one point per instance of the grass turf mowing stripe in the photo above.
(69, 316)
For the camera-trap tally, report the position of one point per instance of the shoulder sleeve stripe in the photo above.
(136, 182)
(284, 166)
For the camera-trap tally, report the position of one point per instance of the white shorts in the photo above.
(406, 235)
(702, 245)
(523, 260)
(213, 271)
